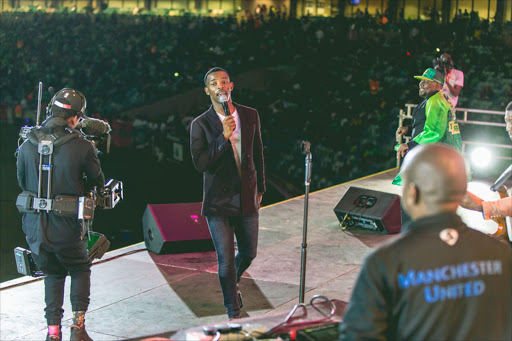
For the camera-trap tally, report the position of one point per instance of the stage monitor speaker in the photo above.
(367, 209)
(176, 228)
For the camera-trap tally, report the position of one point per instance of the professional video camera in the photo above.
(92, 129)
(443, 63)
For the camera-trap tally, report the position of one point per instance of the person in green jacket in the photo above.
(433, 120)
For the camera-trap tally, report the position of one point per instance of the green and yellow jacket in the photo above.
(440, 125)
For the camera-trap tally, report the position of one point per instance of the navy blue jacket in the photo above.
(418, 121)
(419, 287)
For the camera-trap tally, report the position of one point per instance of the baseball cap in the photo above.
(432, 75)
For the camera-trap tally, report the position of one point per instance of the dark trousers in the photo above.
(231, 267)
(56, 265)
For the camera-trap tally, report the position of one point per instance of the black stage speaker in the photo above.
(367, 209)
(176, 228)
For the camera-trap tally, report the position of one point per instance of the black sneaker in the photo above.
(239, 296)
(79, 334)
(54, 337)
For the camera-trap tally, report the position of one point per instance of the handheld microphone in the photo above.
(93, 126)
(224, 100)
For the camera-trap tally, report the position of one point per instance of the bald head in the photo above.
(434, 180)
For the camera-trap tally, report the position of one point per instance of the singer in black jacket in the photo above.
(226, 147)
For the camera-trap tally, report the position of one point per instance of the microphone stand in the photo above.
(305, 147)
(501, 180)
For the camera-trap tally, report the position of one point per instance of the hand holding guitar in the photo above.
(494, 210)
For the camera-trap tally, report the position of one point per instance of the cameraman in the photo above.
(59, 243)
(453, 78)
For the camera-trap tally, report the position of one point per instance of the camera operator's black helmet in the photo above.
(66, 103)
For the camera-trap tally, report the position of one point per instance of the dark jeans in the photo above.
(231, 267)
(56, 266)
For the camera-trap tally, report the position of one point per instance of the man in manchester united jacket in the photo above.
(440, 280)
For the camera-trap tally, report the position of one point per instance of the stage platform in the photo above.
(136, 294)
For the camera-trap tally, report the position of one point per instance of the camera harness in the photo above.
(62, 205)
(46, 140)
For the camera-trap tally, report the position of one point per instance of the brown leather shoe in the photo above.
(79, 334)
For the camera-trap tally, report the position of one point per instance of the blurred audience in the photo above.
(337, 82)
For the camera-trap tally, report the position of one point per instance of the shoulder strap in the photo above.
(59, 137)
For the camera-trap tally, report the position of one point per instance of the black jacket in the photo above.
(71, 161)
(418, 287)
(224, 192)
(418, 121)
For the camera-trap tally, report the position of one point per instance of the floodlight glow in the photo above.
(481, 157)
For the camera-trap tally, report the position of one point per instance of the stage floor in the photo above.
(137, 294)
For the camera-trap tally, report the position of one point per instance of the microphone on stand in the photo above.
(224, 100)
(501, 180)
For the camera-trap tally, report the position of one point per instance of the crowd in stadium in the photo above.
(337, 82)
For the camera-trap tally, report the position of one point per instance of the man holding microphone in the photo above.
(226, 146)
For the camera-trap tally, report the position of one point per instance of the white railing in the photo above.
(462, 118)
